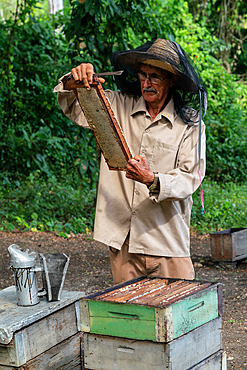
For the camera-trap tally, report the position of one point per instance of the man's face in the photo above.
(153, 92)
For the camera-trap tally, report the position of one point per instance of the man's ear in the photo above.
(173, 79)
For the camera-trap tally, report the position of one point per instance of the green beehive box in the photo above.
(153, 309)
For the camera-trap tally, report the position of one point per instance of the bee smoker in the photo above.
(53, 268)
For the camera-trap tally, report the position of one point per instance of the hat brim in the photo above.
(133, 59)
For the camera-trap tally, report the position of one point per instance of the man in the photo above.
(143, 214)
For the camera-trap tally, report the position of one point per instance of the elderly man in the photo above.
(143, 214)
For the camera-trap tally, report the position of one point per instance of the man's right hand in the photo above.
(84, 72)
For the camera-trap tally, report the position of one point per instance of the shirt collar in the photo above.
(167, 112)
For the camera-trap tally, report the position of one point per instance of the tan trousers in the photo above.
(127, 266)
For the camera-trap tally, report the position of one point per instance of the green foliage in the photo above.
(50, 205)
(35, 134)
(59, 206)
(225, 207)
(99, 27)
(227, 21)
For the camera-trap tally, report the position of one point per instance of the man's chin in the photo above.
(149, 95)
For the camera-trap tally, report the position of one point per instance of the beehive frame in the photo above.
(103, 123)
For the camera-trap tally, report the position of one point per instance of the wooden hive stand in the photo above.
(42, 337)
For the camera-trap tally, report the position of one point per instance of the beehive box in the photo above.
(153, 309)
(43, 332)
(198, 349)
(217, 361)
(229, 245)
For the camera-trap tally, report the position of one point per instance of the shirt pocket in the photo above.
(163, 157)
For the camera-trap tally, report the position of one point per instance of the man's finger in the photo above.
(75, 74)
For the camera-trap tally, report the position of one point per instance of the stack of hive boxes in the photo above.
(147, 324)
(46, 336)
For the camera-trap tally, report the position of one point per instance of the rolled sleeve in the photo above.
(183, 181)
(69, 104)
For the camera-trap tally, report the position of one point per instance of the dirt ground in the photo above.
(89, 271)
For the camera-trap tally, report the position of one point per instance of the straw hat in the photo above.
(163, 54)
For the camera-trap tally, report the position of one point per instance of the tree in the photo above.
(227, 20)
(99, 27)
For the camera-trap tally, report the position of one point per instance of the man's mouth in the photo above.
(149, 90)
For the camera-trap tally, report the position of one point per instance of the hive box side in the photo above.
(65, 355)
(221, 246)
(194, 311)
(197, 345)
(240, 241)
(122, 320)
(215, 362)
(37, 338)
(105, 352)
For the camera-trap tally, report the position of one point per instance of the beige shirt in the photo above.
(158, 222)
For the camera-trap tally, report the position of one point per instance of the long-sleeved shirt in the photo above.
(158, 222)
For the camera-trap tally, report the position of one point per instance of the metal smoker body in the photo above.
(53, 268)
(23, 265)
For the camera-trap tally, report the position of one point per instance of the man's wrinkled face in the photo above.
(155, 83)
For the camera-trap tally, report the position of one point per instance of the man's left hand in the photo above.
(138, 170)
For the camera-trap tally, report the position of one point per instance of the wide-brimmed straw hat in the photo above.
(163, 54)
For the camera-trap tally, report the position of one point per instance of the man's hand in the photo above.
(84, 72)
(138, 169)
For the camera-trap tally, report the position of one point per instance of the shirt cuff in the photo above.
(59, 87)
(165, 189)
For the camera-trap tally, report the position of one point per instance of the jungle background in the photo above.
(49, 166)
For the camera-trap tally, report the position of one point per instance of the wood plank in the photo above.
(217, 361)
(105, 352)
(122, 320)
(194, 311)
(240, 240)
(65, 355)
(39, 337)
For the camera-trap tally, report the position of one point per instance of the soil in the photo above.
(89, 271)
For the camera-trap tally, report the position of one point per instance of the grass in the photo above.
(51, 205)
(225, 207)
(59, 206)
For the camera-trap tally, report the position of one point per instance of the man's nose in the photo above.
(147, 82)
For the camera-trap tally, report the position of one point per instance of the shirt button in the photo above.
(143, 151)
(133, 213)
(137, 192)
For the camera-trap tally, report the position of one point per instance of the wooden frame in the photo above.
(103, 123)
